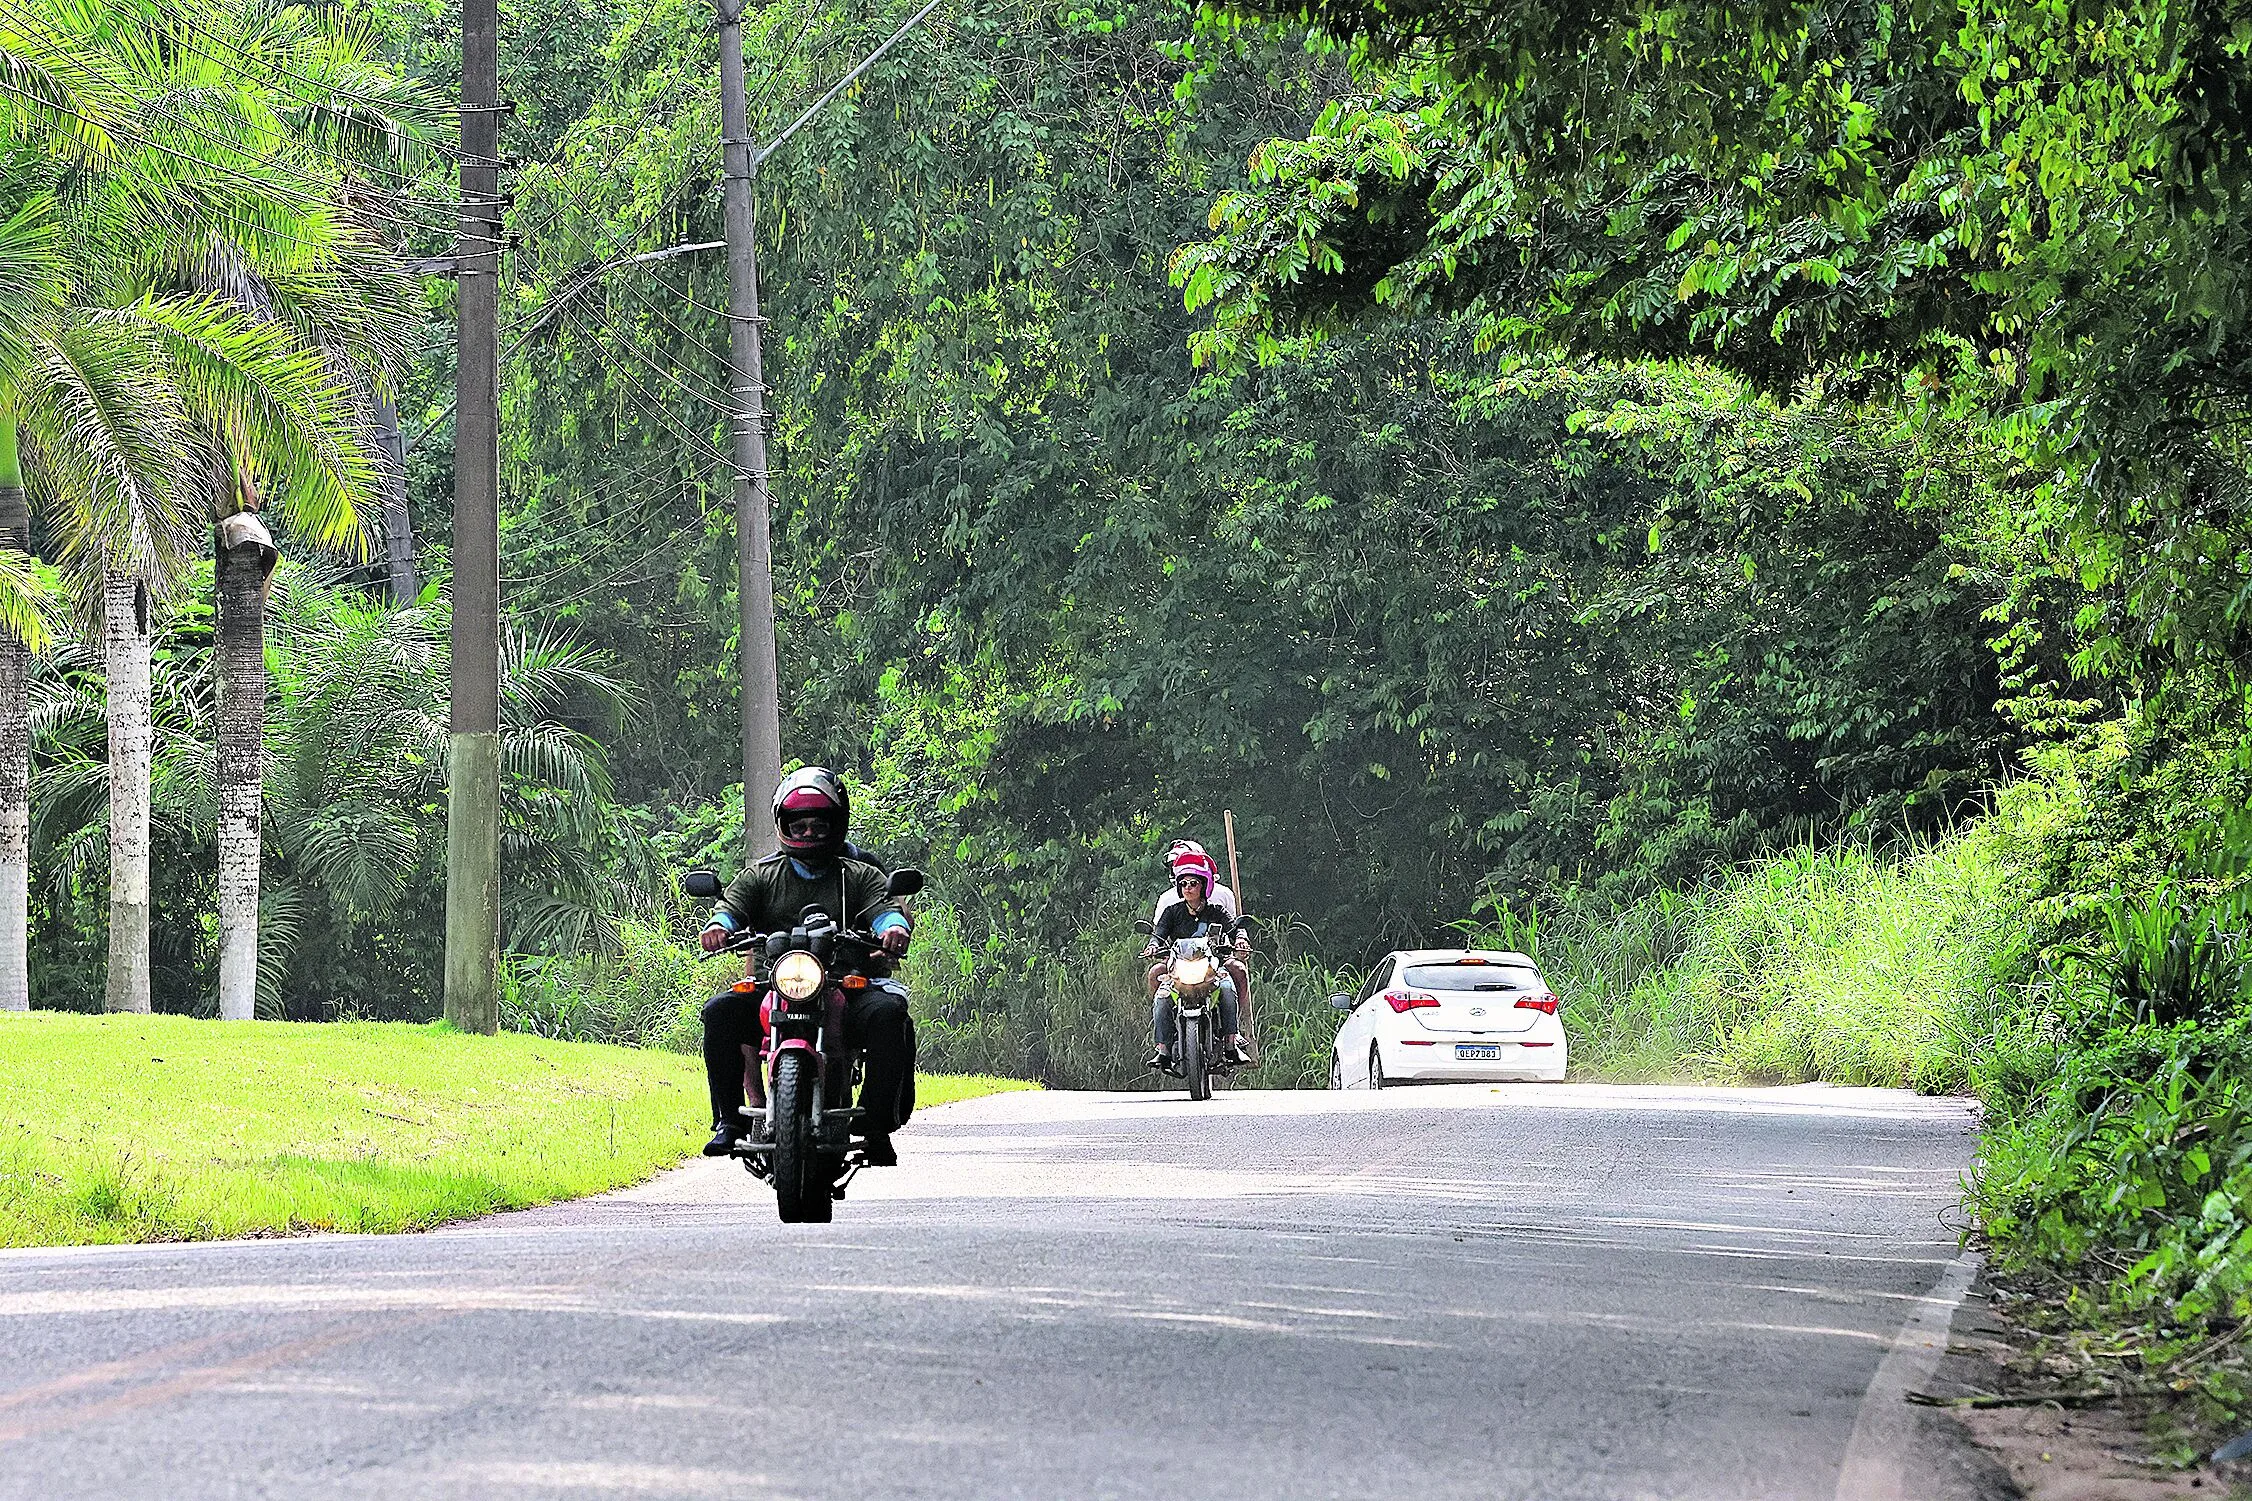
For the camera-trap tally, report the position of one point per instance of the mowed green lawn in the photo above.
(138, 1128)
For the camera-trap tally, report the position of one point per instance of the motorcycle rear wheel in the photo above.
(801, 1187)
(1193, 1060)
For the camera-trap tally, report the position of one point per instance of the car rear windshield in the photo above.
(1474, 977)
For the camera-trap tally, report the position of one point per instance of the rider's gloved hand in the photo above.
(712, 938)
(895, 941)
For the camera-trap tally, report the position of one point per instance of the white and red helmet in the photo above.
(1198, 865)
(1184, 849)
(817, 791)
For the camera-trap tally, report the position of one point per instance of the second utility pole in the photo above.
(754, 551)
(473, 752)
(754, 554)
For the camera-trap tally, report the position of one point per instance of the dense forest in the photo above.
(1749, 503)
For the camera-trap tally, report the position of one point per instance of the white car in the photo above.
(1448, 1016)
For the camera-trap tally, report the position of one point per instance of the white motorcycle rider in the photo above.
(1197, 938)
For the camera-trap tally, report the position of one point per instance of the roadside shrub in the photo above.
(2129, 1168)
(644, 996)
(2131, 1172)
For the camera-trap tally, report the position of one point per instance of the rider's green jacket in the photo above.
(773, 893)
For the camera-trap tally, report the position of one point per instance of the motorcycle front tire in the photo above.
(801, 1188)
(1193, 1059)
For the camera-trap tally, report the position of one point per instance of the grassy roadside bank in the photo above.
(153, 1128)
(1837, 965)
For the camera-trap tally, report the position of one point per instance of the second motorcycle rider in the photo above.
(812, 813)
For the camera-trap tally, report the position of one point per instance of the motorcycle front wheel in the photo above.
(1193, 1060)
(801, 1188)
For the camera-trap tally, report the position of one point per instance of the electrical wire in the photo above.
(658, 312)
(655, 408)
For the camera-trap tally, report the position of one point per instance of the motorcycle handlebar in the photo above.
(738, 943)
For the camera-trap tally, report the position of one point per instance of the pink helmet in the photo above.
(1198, 865)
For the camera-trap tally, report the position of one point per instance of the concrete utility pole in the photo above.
(473, 760)
(754, 556)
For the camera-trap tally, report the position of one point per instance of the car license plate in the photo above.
(1477, 1050)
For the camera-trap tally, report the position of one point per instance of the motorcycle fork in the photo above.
(826, 1045)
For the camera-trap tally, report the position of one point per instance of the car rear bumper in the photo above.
(1436, 1064)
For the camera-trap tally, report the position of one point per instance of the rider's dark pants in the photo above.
(876, 1022)
(1161, 1014)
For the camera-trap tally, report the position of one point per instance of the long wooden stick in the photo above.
(1235, 883)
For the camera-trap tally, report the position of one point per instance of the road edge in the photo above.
(1886, 1430)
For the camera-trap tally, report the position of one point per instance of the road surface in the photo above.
(1539, 1292)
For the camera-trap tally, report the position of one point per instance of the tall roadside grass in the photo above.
(1845, 964)
(1841, 964)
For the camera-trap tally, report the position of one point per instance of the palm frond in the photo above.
(281, 914)
(282, 402)
(32, 280)
(103, 432)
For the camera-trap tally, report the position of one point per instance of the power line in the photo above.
(555, 307)
(655, 408)
(578, 197)
(839, 87)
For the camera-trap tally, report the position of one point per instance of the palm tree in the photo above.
(358, 733)
(328, 303)
(31, 286)
(222, 302)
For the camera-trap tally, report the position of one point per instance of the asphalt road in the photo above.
(1539, 1292)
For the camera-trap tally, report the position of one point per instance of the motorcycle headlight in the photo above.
(798, 975)
(1194, 971)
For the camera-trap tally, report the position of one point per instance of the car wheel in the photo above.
(1336, 1073)
(1375, 1068)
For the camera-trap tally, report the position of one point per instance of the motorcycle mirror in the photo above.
(700, 883)
(1341, 1002)
(905, 881)
(1144, 925)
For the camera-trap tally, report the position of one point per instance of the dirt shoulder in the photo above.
(2041, 1416)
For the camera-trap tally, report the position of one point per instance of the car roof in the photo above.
(1448, 956)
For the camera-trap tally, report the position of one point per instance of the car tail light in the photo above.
(1404, 1001)
(1545, 1004)
(1418, 1042)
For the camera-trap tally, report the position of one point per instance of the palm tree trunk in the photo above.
(243, 563)
(15, 751)
(125, 640)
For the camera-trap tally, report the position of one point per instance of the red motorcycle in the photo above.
(802, 1080)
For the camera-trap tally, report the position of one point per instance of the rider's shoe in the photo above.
(1238, 1053)
(1161, 1060)
(877, 1149)
(723, 1139)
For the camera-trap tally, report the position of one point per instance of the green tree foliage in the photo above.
(2039, 210)
(1062, 596)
